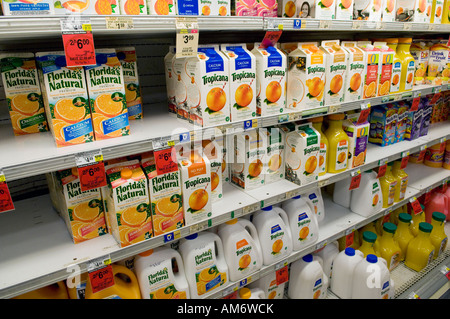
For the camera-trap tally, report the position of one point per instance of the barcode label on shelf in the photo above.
(325, 24)
(119, 23)
(162, 142)
(281, 264)
(87, 158)
(249, 124)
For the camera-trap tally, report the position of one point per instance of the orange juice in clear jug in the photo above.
(403, 235)
(420, 251)
(388, 185)
(338, 144)
(387, 247)
(402, 181)
(408, 64)
(438, 237)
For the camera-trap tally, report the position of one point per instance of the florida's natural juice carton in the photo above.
(161, 7)
(133, 95)
(356, 65)
(325, 9)
(95, 7)
(336, 71)
(23, 93)
(171, 79)
(358, 139)
(270, 80)
(344, 9)
(306, 77)
(82, 212)
(196, 188)
(107, 99)
(242, 70)
(164, 188)
(27, 8)
(371, 75)
(405, 10)
(66, 99)
(128, 203)
(388, 10)
(421, 53)
(383, 123)
(275, 154)
(208, 97)
(385, 65)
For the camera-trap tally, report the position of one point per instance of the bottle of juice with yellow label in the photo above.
(438, 237)
(388, 184)
(408, 64)
(416, 219)
(338, 144)
(403, 235)
(324, 145)
(387, 247)
(396, 65)
(420, 249)
(367, 245)
(402, 181)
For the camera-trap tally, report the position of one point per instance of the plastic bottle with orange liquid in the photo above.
(57, 290)
(420, 250)
(324, 145)
(368, 241)
(338, 144)
(408, 64)
(403, 235)
(387, 247)
(438, 236)
(416, 219)
(396, 66)
(402, 181)
(388, 185)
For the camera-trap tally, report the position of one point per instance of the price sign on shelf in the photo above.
(382, 167)
(356, 180)
(91, 170)
(405, 159)
(415, 205)
(101, 274)
(421, 156)
(6, 203)
(272, 35)
(78, 41)
(282, 275)
(187, 37)
(364, 115)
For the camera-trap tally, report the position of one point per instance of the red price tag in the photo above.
(101, 278)
(415, 205)
(349, 239)
(92, 176)
(270, 39)
(448, 275)
(363, 116)
(421, 155)
(382, 170)
(6, 203)
(165, 160)
(404, 162)
(282, 275)
(415, 104)
(356, 180)
(427, 197)
(79, 48)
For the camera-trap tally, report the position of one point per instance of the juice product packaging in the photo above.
(413, 122)
(181, 82)
(325, 9)
(371, 75)
(405, 10)
(133, 7)
(23, 93)
(242, 65)
(358, 139)
(25, 8)
(438, 69)
(66, 99)
(267, 8)
(188, 7)
(275, 155)
(356, 64)
(388, 11)
(306, 77)
(402, 118)
(270, 80)
(224, 8)
(436, 11)
(363, 10)
(95, 7)
(421, 55)
(385, 65)
(396, 65)
(245, 8)
(336, 71)
(213, 151)
(338, 141)
(107, 99)
(422, 11)
(306, 8)
(427, 109)
(288, 9)
(128, 203)
(383, 123)
(133, 94)
(248, 166)
(344, 9)
(446, 12)
(161, 7)
(164, 188)
(171, 79)
(208, 91)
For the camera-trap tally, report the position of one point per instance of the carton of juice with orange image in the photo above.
(438, 64)
(371, 74)
(385, 65)
(83, 212)
(23, 93)
(87, 7)
(66, 99)
(336, 71)
(164, 186)
(275, 155)
(133, 7)
(420, 52)
(107, 97)
(213, 151)
(128, 203)
(161, 7)
(356, 64)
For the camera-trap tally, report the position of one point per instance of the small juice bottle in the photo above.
(438, 237)
(396, 66)
(416, 220)
(338, 144)
(368, 227)
(402, 181)
(408, 64)
(367, 244)
(395, 214)
(387, 247)
(324, 145)
(420, 249)
(388, 184)
(403, 235)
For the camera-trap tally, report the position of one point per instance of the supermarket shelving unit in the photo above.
(35, 247)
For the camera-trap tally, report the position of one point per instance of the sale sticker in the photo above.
(91, 170)
(187, 37)
(405, 159)
(382, 168)
(364, 115)
(415, 104)
(78, 41)
(101, 275)
(356, 180)
(6, 202)
(282, 275)
(415, 205)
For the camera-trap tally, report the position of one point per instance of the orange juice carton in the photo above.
(371, 74)
(383, 123)
(83, 212)
(181, 82)
(358, 135)
(209, 87)
(95, 7)
(248, 165)
(245, 8)
(275, 155)
(302, 147)
(325, 9)
(215, 7)
(161, 7)
(213, 151)
(438, 65)
(288, 9)
(336, 71)
(242, 64)
(422, 11)
(436, 11)
(133, 94)
(385, 64)
(388, 10)
(421, 53)
(188, 7)
(405, 10)
(23, 93)
(222, 140)
(66, 99)
(402, 118)
(306, 77)
(270, 80)
(171, 79)
(356, 65)
(196, 188)
(128, 203)
(107, 98)
(364, 10)
(344, 9)
(164, 188)
(133, 7)
(267, 8)
(27, 8)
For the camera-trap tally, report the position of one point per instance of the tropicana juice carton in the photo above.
(208, 97)
(27, 8)
(325, 9)
(171, 79)
(83, 212)
(306, 77)
(133, 7)
(66, 99)
(336, 71)
(164, 188)
(371, 75)
(388, 11)
(23, 93)
(344, 9)
(385, 65)
(242, 65)
(107, 98)
(422, 11)
(128, 203)
(180, 87)
(161, 7)
(356, 64)
(133, 95)
(275, 155)
(270, 80)
(436, 11)
(88, 7)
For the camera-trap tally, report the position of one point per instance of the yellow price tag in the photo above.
(2, 178)
(87, 27)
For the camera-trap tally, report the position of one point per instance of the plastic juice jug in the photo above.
(396, 66)
(247, 293)
(125, 286)
(402, 181)
(274, 233)
(438, 203)
(343, 266)
(367, 285)
(328, 253)
(341, 193)
(324, 146)
(434, 155)
(315, 200)
(204, 263)
(446, 12)
(408, 64)
(367, 199)
(446, 162)
(160, 273)
(368, 227)
(339, 143)
(302, 221)
(393, 218)
(420, 250)
(438, 237)
(447, 193)
(307, 279)
(416, 220)
(241, 247)
(351, 240)
(367, 244)
(403, 235)
(270, 286)
(57, 290)
(387, 247)
(388, 184)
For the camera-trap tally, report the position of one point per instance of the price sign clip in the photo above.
(78, 41)
(91, 170)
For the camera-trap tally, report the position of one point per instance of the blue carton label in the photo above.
(116, 123)
(187, 7)
(29, 7)
(275, 228)
(78, 129)
(213, 282)
(134, 110)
